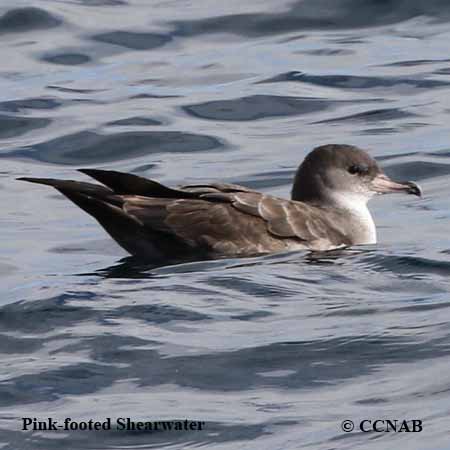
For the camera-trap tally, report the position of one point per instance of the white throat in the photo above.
(363, 228)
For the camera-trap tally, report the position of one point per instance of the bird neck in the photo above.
(311, 190)
(362, 227)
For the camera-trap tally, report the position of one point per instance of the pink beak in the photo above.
(382, 184)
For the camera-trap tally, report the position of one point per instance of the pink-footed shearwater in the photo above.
(328, 209)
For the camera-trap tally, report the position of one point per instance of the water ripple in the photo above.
(27, 19)
(256, 107)
(357, 82)
(88, 147)
(133, 40)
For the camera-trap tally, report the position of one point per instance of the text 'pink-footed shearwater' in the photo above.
(328, 209)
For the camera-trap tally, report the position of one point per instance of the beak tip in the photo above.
(414, 189)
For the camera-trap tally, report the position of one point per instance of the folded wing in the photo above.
(148, 218)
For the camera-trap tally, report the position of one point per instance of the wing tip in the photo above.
(34, 180)
(89, 172)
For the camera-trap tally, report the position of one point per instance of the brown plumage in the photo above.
(212, 220)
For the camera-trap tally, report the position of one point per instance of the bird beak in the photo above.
(382, 184)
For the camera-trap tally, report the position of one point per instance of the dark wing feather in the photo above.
(214, 188)
(129, 184)
(216, 227)
(74, 186)
(291, 219)
(243, 222)
(144, 216)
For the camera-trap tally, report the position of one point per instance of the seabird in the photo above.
(327, 210)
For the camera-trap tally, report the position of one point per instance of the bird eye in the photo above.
(359, 170)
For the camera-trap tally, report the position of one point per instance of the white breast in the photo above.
(361, 225)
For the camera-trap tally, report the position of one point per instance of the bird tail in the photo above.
(104, 205)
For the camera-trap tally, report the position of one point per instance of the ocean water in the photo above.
(272, 352)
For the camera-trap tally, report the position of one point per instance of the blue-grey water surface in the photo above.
(271, 352)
